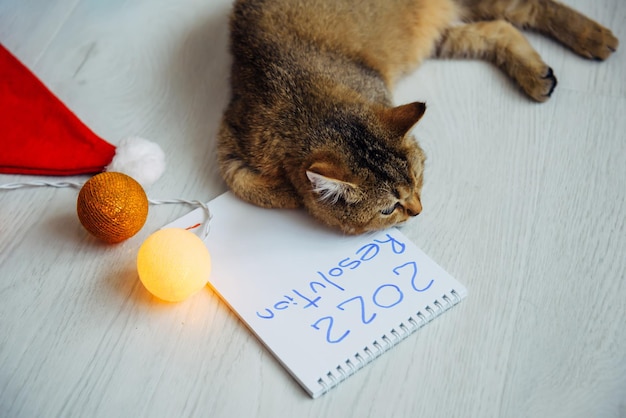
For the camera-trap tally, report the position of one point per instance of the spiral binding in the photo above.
(387, 341)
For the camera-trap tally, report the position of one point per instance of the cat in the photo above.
(311, 123)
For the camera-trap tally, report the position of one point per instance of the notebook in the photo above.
(323, 303)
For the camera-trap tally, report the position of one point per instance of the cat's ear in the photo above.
(328, 182)
(401, 119)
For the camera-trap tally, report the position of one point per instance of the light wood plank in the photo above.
(524, 203)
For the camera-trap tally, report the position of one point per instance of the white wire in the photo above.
(197, 203)
(59, 185)
(76, 185)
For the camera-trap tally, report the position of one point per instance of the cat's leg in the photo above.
(501, 43)
(248, 184)
(581, 34)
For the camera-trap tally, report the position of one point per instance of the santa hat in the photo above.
(39, 135)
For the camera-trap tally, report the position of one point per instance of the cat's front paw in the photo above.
(596, 42)
(538, 84)
(549, 83)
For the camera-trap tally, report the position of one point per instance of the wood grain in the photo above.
(523, 203)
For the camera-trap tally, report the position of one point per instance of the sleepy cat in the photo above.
(310, 121)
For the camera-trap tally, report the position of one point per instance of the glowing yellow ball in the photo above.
(112, 206)
(173, 264)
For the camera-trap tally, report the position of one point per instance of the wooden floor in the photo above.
(524, 203)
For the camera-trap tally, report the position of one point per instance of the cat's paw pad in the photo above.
(539, 85)
(596, 42)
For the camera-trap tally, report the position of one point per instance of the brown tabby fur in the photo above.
(311, 123)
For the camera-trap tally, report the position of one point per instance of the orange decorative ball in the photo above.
(112, 206)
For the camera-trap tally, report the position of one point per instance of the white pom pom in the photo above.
(139, 158)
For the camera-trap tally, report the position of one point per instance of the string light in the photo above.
(112, 207)
(172, 263)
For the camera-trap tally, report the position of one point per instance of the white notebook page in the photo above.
(323, 303)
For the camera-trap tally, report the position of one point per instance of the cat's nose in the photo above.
(414, 208)
(413, 213)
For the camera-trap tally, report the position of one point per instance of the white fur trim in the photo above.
(139, 158)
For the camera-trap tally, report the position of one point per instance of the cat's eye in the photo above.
(391, 209)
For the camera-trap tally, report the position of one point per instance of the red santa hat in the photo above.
(39, 135)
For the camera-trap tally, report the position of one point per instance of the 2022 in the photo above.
(381, 297)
